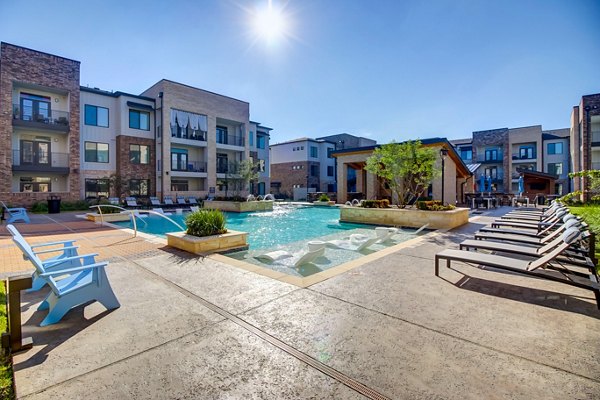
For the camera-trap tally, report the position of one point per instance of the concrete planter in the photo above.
(405, 217)
(231, 240)
(239, 206)
(324, 203)
(108, 217)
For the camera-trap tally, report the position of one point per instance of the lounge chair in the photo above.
(181, 201)
(161, 211)
(385, 233)
(194, 208)
(131, 202)
(530, 232)
(67, 258)
(586, 280)
(114, 201)
(192, 201)
(15, 214)
(316, 249)
(154, 202)
(168, 201)
(538, 225)
(352, 244)
(535, 239)
(421, 229)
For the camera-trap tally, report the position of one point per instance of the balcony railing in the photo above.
(230, 140)
(227, 168)
(50, 162)
(188, 133)
(483, 159)
(192, 166)
(52, 119)
(518, 156)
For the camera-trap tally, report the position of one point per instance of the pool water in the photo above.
(288, 228)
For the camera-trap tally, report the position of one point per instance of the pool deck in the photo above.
(192, 327)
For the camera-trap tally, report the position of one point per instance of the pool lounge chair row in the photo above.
(557, 247)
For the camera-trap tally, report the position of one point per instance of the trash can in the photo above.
(541, 200)
(53, 204)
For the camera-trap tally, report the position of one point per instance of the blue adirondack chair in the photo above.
(67, 258)
(15, 214)
(78, 285)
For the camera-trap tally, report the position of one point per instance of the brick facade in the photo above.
(22, 66)
(127, 170)
(288, 176)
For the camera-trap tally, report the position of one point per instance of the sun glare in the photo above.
(270, 23)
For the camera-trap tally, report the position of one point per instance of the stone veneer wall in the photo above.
(25, 66)
(284, 173)
(127, 170)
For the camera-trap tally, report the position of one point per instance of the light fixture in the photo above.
(443, 155)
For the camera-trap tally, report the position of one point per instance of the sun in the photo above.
(270, 23)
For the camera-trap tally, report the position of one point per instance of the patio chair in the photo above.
(537, 225)
(416, 232)
(192, 201)
(161, 211)
(194, 208)
(154, 202)
(67, 258)
(316, 249)
(352, 244)
(15, 214)
(535, 239)
(114, 201)
(168, 201)
(131, 202)
(181, 201)
(586, 280)
(533, 232)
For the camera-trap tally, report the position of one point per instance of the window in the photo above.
(139, 120)
(139, 154)
(301, 147)
(329, 151)
(260, 141)
(555, 148)
(96, 188)
(491, 155)
(179, 185)
(493, 172)
(222, 163)
(96, 116)
(314, 170)
(139, 187)
(466, 153)
(35, 184)
(329, 170)
(222, 134)
(314, 152)
(96, 152)
(251, 138)
(179, 160)
(34, 107)
(555, 168)
(526, 152)
(261, 165)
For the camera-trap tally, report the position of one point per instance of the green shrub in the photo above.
(206, 223)
(323, 197)
(434, 205)
(40, 207)
(385, 203)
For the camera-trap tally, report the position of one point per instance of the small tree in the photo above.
(240, 176)
(593, 185)
(408, 168)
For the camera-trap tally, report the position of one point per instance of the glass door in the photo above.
(35, 153)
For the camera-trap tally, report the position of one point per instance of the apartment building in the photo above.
(39, 125)
(344, 141)
(117, 144)
(585, 138)
(258, 141)
(504, 154)
(302, 163)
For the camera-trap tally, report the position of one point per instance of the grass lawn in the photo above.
(591, 215)
(6, 376)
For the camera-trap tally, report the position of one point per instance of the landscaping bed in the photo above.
(6, 374)
(591, 215)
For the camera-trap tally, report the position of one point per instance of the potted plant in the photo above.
(324, 201)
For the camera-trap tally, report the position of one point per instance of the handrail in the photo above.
(134, 213)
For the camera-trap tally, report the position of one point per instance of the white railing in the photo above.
(133, 214)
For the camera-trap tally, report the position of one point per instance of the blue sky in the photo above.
(390, 70)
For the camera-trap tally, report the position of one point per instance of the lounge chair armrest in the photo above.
(74, 270)
(69, 242)
(56, 249)
(62, 260)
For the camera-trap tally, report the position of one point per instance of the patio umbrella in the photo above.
(482, 183)
(489, 179)
(521, 186)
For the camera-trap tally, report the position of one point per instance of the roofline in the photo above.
(114, 94)
(197, 88)
(301, 140)
(41, 52)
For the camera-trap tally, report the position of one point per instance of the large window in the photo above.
(555, 148)
(139, 154)
(466, 153)
(96, 188)
(314, 170)
(493, 172)
(555, 168)
(491, 155)
(314, 151)
(35, 184)
(139, 187)
(329, 170)
(526, 152)
(179, 160)
(139, 120)
(261, 142)
(34, 107)
(179, 185)
(96, 152)
(96, 116)
(222, 134)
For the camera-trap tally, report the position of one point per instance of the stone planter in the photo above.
(116, 217)
(232, 240)
(405, 217)
(324, 203)
(239, 206)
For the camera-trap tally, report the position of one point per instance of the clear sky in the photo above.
(387, 69)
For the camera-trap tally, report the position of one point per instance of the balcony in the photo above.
(40, 162)
(230, 140)
(188, 136)
(47, 119)
(227, 168)
(191, 166)
(524, 158)
(490, 160)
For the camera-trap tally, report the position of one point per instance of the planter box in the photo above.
(405, 217)
(239, 206)
(115, 217)
(324, 203)
(231, 240)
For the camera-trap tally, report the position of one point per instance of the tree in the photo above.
(239, 176)
(592, 182)
(408, 168)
